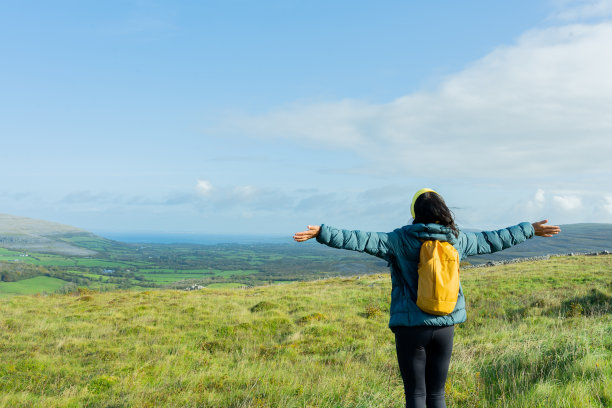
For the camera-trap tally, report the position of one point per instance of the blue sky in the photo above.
(262, 117)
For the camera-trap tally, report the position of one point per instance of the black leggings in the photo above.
(424, 353)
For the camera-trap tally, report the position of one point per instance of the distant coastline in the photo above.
(199, 239)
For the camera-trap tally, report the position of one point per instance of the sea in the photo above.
(200, 239)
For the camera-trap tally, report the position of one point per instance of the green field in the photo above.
(539, 334)
(31, 286)
(140, 266)
(10, 256)
(224, 285)
(169, 276)
(117, 265)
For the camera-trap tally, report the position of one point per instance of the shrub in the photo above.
(263, 306)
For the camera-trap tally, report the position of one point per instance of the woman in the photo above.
(423, 341)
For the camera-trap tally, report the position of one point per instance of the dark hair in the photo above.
(430, 208)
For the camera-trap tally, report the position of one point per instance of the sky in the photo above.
(242, 117)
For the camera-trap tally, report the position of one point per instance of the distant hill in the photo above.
(28, 234)
(574, 238)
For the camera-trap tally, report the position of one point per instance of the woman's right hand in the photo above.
(312, 232)
(542, 230)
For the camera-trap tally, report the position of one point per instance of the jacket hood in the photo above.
(431, 232)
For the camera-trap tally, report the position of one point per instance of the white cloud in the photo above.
(566, 207)
(203, 187)
(245, 192)
(608, 204)
(225, 195)
(567, 203)
(238, 200)
(583, 9)
(539, 107)
(539, 196)
(537, 202)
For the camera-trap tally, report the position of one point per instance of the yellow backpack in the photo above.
(438, 287)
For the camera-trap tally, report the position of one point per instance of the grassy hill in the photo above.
(28, 234)
(539, 334)
(578, 238)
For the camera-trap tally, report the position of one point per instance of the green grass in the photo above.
(169, 276)
(89, 263)
(538, 334)
(30, 286)
(8, 255)
(9, 252)
(225, 285)
(238, 272)
(173, 277)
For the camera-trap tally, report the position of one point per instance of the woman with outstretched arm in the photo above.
(423, 341)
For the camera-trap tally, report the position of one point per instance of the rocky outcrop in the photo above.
(534, 258)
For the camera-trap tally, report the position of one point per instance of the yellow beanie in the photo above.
(416, 195)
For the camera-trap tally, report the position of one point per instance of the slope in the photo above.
(538, 334)
(28, 234)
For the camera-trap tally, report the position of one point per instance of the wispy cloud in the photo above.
(105, 199)
(568, 203)
(570, 207)
(247, 198)
(245, 192)
(539, 106)
(608, 204)
(203, 187)
(78, 197)
(571, 10)
(19, 196)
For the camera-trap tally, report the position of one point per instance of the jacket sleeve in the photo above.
(487, 242)
(373, 243)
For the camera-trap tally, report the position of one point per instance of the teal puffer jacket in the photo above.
(401, 248)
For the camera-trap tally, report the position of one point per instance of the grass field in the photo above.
(538, 334)
(177, 265)
(31, 286)
(8, 255)
(169, 276)
(224, 285)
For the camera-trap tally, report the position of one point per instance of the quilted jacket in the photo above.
(401, 247)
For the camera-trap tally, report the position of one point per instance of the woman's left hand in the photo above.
(542, 230)
(312, 232)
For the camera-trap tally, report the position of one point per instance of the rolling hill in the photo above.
(28, 234)
(574, 238)
(39, 256)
